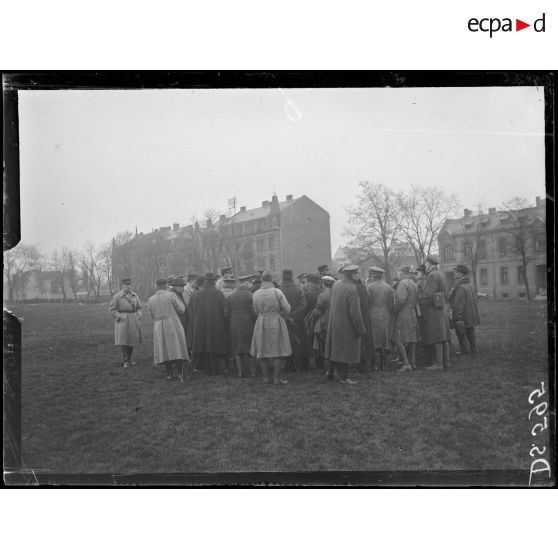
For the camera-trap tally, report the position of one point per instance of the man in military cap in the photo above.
(324, 270)
(226, 273)
(433, 308)
(125, 308)
(405, 330)
(318, 321)
(241, 318)
(346, 327)
(465, 312)
(229, 286)
(210, 342)
(257, 281)
(169, 341)
(381, 306)
(296, 321)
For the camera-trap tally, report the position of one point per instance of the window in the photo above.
(468, 250)
(540, 243)
(520, 274)
(469, 227)
(504, 275)
(484, 225)
(260, 262)
(502, 246)
(272, 264)
(449, 253)
(484, 276)
(260, 245)
(521, 295)
(482, 249)
(271, 242)
(505, 295)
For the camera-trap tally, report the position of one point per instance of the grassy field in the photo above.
(82, 414)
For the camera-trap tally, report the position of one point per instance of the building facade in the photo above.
(293, 233)
(491, 244)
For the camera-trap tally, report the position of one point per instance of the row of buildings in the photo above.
(506, 250)
(292, 233)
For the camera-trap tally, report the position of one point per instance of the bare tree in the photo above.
(19, 263)
(375, 225)
(90, 262)
(471, 231)
(520, 220)
(60, 265)
(424, 210)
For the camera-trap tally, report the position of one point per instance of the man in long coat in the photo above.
(346, 326)
(465, 312)
(433, 308)
(125, 308)
(169, 340)
(406, 319)
(297, 330)
(177, 285)
(319, 321)
(241, 317)
(210, 341)
(380, 295)
(312, 291)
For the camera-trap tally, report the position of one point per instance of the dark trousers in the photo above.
(466, 337)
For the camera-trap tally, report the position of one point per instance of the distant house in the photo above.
(293, 233)
(488, 242)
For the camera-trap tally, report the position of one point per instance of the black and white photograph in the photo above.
(288, 278)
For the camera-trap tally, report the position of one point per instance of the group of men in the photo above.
(335, 323)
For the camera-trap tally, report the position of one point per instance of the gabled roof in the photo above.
(259, 212)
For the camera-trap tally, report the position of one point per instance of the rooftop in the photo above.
(260, 212)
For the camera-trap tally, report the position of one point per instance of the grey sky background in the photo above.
(94, 163)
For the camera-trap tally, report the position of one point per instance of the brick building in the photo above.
(488, 244)
(293, 233)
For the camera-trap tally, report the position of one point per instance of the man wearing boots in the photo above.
(463, 304)
(406, 319)
(434, 315)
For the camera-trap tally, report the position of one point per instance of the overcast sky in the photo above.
(94, 163)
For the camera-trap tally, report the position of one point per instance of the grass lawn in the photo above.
(82, 414)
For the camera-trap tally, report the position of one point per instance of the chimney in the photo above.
(290, 197)
(467, 213)
(243, 208)
(265, 203)
(175, 226)
(491, 210)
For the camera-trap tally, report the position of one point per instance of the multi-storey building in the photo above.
(491, 244)
(294, 234)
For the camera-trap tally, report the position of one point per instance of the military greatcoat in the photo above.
(240, 313)
(434, 319)
(345, 324)
(405, 312)
(209, 328)
(381, 305)
(463, 303)
(169, 341)
(126, 311)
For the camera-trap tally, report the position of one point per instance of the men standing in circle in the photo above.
(406, 319)
(241, 316)
(226, 273)
(297, 326)
(433, 308)
(169, 341)
(465, 312)
(345, 325)
(125, 308)
(210, 343)
(270, 342)
(381, 306)
(320, 321)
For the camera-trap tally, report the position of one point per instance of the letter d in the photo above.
(535, 25)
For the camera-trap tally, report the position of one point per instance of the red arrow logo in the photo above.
(519, 25)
